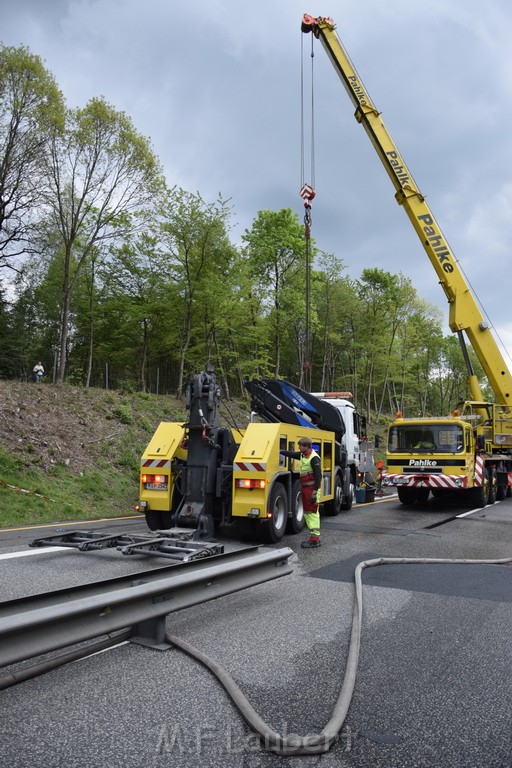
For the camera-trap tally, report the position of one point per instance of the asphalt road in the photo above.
(433, 686)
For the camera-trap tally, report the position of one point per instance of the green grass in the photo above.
(29, 496)
(69, 453)
(37, 489)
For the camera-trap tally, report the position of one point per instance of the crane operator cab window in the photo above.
(411, 438)
(425, 442)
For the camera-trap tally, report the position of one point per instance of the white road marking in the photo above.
(472, 511)
(104, 650)
(12, 555)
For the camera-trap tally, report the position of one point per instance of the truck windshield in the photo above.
(434, 438)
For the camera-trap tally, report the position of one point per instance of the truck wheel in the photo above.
(154, 520)
(295, 523)
(491, 498)
(272, 529)
(410, 496)
(334, 506)
(348, 491)
(165, 521)
(478, 496)
(501, 492)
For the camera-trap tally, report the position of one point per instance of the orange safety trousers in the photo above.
(311, 513)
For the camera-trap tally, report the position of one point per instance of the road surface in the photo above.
(433, 686)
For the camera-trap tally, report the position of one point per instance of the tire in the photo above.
(162, 520)
(501, 481)
(155, 520)
(334, 506)
(296, 522)
(272, 529)
(165, 521)
(491, 497)
(411, 496)
(478, 496)
(349, 491)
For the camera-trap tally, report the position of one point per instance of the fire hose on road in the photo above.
(264, 566)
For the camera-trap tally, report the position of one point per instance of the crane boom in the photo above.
(464, 312)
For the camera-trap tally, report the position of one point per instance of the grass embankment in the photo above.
(72, 454)
(29, 496)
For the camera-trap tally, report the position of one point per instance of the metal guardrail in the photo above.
(44, 623)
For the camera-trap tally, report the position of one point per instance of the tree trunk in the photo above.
(183, 352)
(90, 353)
(223, 377)
(144, 360)
(64, 332)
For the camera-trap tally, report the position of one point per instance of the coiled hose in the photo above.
(321, 742)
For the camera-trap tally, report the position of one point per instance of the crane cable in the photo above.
(311, 184)
(307, 192)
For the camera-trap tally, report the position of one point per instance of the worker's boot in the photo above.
(311, 543)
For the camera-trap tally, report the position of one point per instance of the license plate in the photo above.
(155, 486)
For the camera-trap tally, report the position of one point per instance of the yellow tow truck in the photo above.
(199, 474)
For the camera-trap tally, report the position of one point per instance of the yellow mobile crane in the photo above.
(470, 450)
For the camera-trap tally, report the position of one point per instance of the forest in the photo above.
(115, 278)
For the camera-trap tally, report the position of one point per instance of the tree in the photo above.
(247, 343)
(199, 256)
(103, 178)
(276, 250)
(383, 301)
(31, 109)
(448, 382)
(335, 300)
(416, 355)
(136, 307)
(9, 344)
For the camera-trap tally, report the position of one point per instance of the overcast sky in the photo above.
(215, 84)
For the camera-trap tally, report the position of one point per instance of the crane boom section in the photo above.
(464, 312)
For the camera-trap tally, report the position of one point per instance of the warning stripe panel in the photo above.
(425, 481)
(155, 463)
(245, 466)
(479, 470)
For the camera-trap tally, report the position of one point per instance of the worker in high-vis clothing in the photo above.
(310, 482)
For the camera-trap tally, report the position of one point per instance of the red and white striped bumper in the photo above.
(423, 480)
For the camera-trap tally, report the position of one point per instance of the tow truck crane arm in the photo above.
(464, 313)
(276, 400)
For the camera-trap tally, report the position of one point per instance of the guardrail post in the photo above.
(151, 634)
